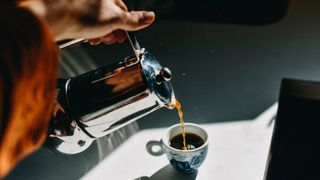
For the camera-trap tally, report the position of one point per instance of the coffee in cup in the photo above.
(193, 141)
(187, 161)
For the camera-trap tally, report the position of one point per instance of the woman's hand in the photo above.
(96, 20)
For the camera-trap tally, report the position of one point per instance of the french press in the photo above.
(98, 102)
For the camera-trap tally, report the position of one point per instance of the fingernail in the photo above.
(148, 17)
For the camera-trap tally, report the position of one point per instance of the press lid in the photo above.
(157, 78)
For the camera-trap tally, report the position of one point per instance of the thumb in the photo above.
(135, 20)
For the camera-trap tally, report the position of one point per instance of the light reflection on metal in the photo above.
(98, 102)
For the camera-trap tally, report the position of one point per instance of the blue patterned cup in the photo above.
(187, 161)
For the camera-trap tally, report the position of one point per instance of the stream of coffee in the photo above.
(175, 103)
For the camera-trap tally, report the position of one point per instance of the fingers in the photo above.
(121, 4)
(118, 36)
(109, 39)
(125, 21)
(135, 20)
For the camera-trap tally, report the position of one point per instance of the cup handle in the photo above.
(155, 147)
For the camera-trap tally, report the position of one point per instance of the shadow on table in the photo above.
(169, 173)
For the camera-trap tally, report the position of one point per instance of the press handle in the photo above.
(135, 44)
(69, 43)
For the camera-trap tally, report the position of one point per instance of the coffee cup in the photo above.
(186, 161)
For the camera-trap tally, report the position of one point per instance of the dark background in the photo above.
(227, 58)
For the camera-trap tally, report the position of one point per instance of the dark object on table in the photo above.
(295, 149)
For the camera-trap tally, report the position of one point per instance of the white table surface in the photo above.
(238, 150)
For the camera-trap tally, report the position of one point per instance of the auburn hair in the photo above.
(28, 72)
